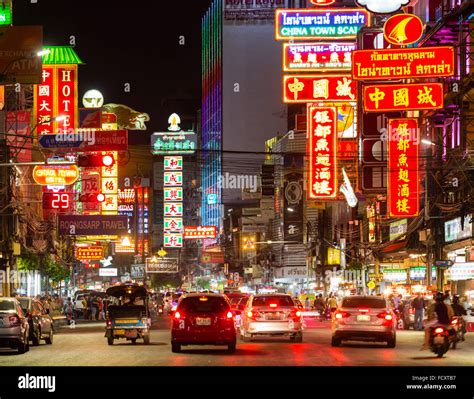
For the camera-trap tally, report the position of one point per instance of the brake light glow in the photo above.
(439, 330)
(363, 310)
(249, 313)
(14, 320)
(229, 315)
(177, 315)
(454, 321)
(298, 313)
(203, 298)
(388, 317)
(273, 305)
(341, 315)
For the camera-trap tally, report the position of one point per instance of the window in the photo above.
(204, 305)
(377, 303)
(7, 305)
(279, 300)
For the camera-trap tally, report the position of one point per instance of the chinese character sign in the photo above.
(312, 88)
(173, 163)
(427, 62)
(44, 102)
(322, 147)
(404, 97)
(403, 166)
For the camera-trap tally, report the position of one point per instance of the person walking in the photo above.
(332, 303)
(307, 303)
(94, 308)
(85, 307)
(419, 305)
(68, 311)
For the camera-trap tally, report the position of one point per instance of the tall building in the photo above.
(241, 95)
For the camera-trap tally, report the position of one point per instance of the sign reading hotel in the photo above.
(200, 232)
(427, 62)
(331, 23)
(403, 97)
(322, 146)
(315, 88)
(317, 57)
(403, 167)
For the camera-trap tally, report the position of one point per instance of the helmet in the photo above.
(439, 297)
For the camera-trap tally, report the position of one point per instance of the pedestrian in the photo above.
(418, 304)
(94, 308)
(89, 307)
(101, 308)
(68, 311)
(332, 303)
(84, 307)
(307, 303)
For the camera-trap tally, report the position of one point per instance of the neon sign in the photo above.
(341, 23)
(403, 29)
(427, 62)
(55, 175)
(322, 147)
(316, 88)
(56, 201)
(403, 97)
(403, 168)
(200, 232)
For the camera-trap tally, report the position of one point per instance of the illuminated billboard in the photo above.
(403, 97)
(322, 148)
(317, 57)
(330, 23)
(426, 62)
(403, 29)
(55, 175)
(403, 168)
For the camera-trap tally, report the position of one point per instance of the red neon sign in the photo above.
(322, 148)
(200, 232)
(403, 29)
(403, 168)
(67, 97)
(322, 2)
(56, 201)
(403, 97)
(427, 62)
(44, 102)
(315, 88)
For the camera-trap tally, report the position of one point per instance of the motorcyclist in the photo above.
(459, 311)
(439, 313)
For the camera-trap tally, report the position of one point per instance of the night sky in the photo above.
(134, 42)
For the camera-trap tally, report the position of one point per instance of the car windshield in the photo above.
(25, 303)
(282, 300)
(7, 305)
(203, 305)
(377, 303)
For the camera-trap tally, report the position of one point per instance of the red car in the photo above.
(203, 319)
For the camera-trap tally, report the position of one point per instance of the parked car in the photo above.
(364, 318)
(14, 327)
(203, 319)
(39, 320)
(273, 315)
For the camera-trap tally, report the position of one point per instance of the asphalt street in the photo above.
(86, 345)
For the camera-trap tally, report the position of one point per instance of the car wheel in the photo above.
(335, 341)
(22, 347)
(110, 340)
(36, 337)
(146, 339)
(49, 338)
(392, 342)
(175, 348)
(231, 347)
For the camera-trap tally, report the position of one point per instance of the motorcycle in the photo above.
(458, 328)
(439, 340)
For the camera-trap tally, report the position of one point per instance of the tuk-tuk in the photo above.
(127, 315)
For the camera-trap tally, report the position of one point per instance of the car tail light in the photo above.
(363, 310)
(253, 314)
(273, 305)
(14, 320)
(439, 330)
(386, 316)
(177, 315)
(229, 315)
(342, 315)
(454, 322)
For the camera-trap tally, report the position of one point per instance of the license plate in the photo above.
(438, 340)
(363, 317)
(119, 332)
(203, 321)
(273, 316)
(130, 334)
(126, 321)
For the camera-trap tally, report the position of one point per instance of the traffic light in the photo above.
(268, 179)
(95, 160)
(95, 197)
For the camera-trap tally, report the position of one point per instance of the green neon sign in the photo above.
(5, 13)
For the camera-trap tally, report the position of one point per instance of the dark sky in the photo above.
(134, 42)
